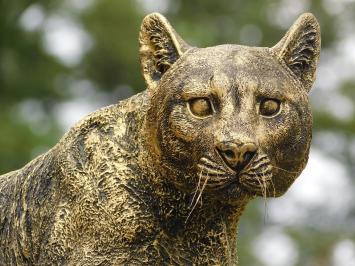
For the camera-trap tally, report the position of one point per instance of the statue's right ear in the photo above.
(160, 47)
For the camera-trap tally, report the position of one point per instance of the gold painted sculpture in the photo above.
(162, 177)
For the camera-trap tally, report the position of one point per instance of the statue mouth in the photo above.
(257, 178)
(254, 179)
(215, 176)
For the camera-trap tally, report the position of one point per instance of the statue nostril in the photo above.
(229, 154)
(248, 156)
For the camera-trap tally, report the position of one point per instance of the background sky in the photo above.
(60, 60)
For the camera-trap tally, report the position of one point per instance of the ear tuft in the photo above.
(299, 49)
(160, 47)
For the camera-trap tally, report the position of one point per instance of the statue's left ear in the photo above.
(160, 47)
(300, 49)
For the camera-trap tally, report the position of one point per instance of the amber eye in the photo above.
(200, 107)
(269, 107)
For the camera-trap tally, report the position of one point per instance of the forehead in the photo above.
(241, 67)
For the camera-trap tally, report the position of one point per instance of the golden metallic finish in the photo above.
(161, 178)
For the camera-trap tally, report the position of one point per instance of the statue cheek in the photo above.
(182, 126)
(286, 146)
(288, 157)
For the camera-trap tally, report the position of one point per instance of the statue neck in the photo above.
(209, 229)
(207, 226)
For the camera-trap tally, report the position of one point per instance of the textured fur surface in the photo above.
(162, 177)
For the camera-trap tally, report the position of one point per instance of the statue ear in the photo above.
(160, 47)
(300, 49)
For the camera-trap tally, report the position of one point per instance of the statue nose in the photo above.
(235, 155)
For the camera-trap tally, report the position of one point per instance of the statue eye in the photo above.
(200, 107)
(269, 107)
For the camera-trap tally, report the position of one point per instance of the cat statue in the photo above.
(162, 178)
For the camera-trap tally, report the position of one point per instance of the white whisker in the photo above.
(208, 162)
(198, 198)
(265, 197)
(212, 171)
(273, 187)
(197, 188)
(292, 172)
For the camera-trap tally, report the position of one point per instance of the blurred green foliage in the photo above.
(32, 76)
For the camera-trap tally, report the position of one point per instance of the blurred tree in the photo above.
(26, 72)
